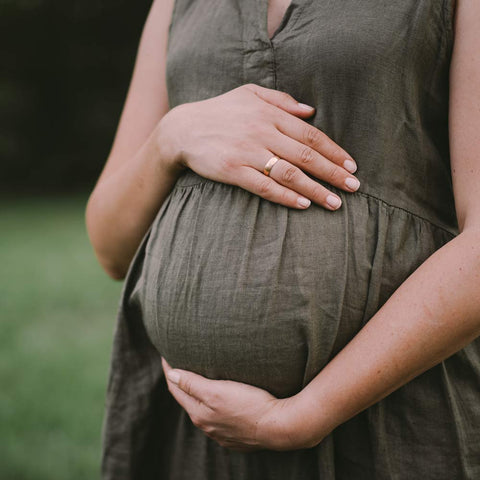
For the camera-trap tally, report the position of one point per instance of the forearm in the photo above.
(433, 314)
(123, 205)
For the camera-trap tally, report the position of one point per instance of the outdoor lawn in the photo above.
(58, 312)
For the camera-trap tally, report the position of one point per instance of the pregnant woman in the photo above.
(318, 322)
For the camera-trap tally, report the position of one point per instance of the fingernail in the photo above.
(305, 106)
(173, 376)
(350, 166)
(304, 202)
(352, 183)
(333, 201)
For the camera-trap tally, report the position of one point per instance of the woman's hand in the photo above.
(236, 415)
(229, 138)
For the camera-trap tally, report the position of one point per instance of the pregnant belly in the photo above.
(243, 289)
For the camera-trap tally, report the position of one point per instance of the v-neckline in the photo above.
(287, 16)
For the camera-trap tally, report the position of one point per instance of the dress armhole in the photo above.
(448, 18)
(172, 21)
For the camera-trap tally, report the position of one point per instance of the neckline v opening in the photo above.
(287, 15)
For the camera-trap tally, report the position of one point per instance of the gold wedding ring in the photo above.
(269, 165)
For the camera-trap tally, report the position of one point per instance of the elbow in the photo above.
(115, 272)
(115, 269)
(114, 266)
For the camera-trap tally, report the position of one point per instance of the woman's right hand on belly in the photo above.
(230, 138)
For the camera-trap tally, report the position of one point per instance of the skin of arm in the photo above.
(436, 311)
(432, 315)
(135, 180)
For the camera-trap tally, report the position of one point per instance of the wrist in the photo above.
(309, 420)
(289, 426)
(169, 154)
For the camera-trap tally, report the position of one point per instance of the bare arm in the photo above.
(135, 180)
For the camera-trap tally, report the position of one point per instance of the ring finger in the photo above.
(290, 176)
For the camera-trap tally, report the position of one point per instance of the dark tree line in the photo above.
(65, 68)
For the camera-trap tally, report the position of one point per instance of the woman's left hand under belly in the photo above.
(236, 415)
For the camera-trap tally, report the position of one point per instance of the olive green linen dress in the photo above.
(232, 286)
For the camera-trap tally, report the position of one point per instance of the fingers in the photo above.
(189, 403)
(190, 383)
(309, 160)
(199, 412)
(188, 392)
(303, 132)
(288, 175)
(309, 136)
(259, 184)
(281, 100)
(302, 148)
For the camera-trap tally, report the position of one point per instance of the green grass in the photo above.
(58, 312)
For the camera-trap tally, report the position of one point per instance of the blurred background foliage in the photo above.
(65, 70)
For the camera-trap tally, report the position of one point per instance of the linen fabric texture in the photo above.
(232, 286)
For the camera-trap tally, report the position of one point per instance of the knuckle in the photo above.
(209, 430)
(306, 156)
(187, 386)
(208, 403)
(318, 193)
(338, 153)
(197, 421)
(246, 88)
(289, 174)
(313, 136)
(286, 197)
(225, 163)
(263, 117)
(264, 187)
(249, 86)
(334, 175)
(247, 91)
(213, 399)
(227, 166)
(286, 97)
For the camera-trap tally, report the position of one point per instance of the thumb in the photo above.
(191, 383)
(281, 100)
